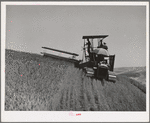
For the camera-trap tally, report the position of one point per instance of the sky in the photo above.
(29, 27)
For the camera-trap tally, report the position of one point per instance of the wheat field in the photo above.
(37, 83)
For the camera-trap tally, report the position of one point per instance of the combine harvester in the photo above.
(96, 61)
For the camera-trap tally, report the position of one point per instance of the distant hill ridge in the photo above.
(136, 73)
(127, 69)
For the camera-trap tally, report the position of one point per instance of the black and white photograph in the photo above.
(75, 61)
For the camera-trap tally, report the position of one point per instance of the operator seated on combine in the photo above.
(89, 46)
(103, 45)
(101, 52)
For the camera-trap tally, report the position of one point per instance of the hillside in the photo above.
(37, 83)
(136, 74)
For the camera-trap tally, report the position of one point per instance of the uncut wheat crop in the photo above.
(37, 83)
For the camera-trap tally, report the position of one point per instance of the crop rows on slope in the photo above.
(49, 87)
(79, 93)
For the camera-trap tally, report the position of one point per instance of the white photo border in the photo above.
(60, 116)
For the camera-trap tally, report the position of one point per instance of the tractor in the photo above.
(96, 61)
